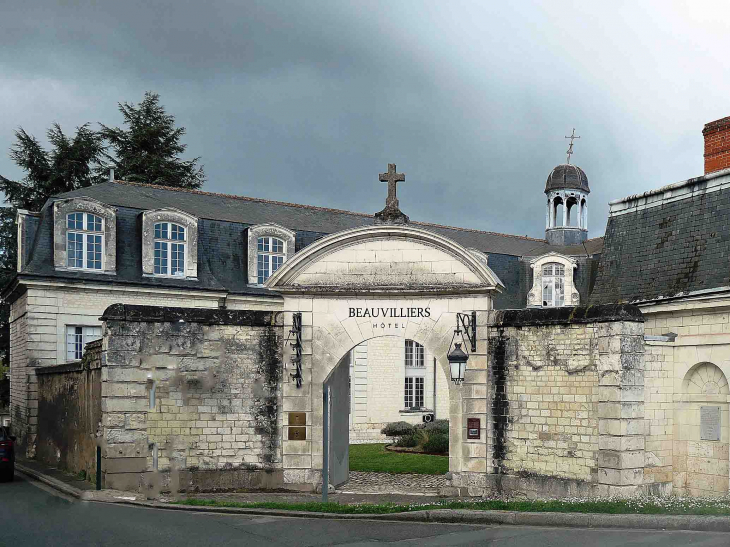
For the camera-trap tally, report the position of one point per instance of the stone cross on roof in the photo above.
(391, 214)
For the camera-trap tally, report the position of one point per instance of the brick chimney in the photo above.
(717, 145)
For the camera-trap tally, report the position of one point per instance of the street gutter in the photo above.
(700, 523)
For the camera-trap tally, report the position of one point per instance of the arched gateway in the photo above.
(382, 280)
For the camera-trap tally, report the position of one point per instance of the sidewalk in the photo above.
(70, 485)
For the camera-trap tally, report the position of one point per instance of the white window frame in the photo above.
(269, 256)
(571, 297)
(87, 334)
(412, 386)
(554, 282)
(168, 243)
(266, 231)
(414, 360)
(84, 232)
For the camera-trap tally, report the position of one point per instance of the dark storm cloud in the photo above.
(308, 101)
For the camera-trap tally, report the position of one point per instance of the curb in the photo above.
(50, 481)
(696, 523)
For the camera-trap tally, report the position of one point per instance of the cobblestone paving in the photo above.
(406, 483)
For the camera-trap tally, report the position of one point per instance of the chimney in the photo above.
(717, 145)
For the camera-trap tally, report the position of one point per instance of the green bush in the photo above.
(437, 443)
(397, 429)
(407, 441)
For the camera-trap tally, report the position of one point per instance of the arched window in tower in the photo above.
(573, 212)
(558, 211)
(553, 285)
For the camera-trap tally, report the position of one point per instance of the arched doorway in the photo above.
(375, 281)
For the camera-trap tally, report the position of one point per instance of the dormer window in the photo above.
(271, 255)
(84, 235)
(269, 246)
(553, 285)
(169, 252)
(84, 241)
(169, 244)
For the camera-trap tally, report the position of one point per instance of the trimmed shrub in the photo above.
(407, 441)
(437, 443)
(397, 429)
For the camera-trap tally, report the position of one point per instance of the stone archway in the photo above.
(383, 281)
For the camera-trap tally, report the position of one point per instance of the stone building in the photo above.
(226, 319)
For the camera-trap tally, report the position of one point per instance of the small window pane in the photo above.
(418, 395)
(547, 270)
(276, 262)
(263, 268)
(263, 244)
(178, 232)
(277, 245)
(93, 252)
(93, 223)
(408, 393)
(76, 221)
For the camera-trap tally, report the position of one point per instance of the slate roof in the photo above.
(678, 244)
(568, 176)
(223, 220)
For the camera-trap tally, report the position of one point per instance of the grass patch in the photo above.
(374, 458)
(642, 506)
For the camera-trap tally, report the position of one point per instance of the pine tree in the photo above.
(148, 150)
(73, 162)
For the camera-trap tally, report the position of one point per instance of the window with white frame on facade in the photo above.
(414, 392)
(169, 249)
(553, 285)
(271, 255)
(414, 377)
(84, 241)
(77, 337)
(414, 354)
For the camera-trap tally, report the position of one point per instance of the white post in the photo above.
(565, 212)
(580, 211)
(585, 217)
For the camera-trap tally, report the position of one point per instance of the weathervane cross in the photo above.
(570, 148)
(392, 178)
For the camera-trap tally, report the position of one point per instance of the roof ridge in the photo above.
(314, 207)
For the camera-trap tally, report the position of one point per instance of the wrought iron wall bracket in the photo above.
(466, 324)
(296, 333)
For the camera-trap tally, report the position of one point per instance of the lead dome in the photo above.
(567, 176)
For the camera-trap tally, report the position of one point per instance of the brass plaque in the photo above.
(297, 433)
(297, 418)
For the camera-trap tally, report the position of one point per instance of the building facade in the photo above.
(608, 400)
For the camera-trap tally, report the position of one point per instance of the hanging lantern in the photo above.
(457, 361)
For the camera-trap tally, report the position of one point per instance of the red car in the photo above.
(7, 454)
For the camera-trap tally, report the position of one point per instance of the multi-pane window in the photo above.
(415, 372)
(414, 392)
(270, 257)
(84, 241)
(77, 338)
(414, 354)
(553, 285)
(169, 252)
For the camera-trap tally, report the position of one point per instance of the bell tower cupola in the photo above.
(566, 218)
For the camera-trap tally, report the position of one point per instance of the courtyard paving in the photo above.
(361, 482)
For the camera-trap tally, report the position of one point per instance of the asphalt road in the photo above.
(32, 514)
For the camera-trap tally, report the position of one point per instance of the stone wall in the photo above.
(69, 413)
(567, 400)
(38, 323)
(191, 399)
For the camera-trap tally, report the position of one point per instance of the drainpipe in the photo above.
(434, 389)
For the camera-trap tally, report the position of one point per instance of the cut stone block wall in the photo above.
(69, 413)
(567, 398)
(214, 420)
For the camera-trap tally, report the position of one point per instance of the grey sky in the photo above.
(308, 101)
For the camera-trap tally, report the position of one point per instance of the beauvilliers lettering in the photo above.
(392, 313)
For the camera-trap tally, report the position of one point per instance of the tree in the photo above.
(148, 149)
(73, 162)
